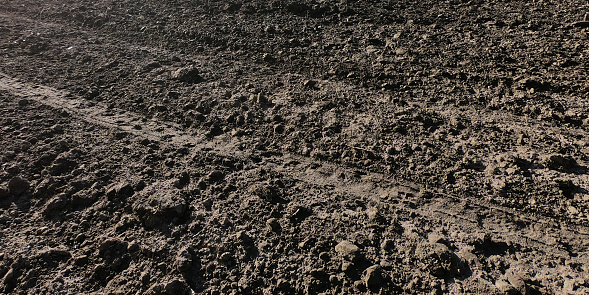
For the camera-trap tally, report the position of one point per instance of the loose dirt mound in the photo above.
(281, 147)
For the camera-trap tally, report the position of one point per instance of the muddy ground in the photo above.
(294, 147)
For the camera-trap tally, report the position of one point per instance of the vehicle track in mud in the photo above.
(436, 206)
(172, 134)
(452, 162)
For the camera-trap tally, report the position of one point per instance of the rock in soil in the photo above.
(159, 205)
(373, 277)
(18, 185)
(347, 250)
(440, 261)
(187, 74)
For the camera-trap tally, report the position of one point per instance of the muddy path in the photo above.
(293, 148)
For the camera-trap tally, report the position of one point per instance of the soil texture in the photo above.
(294, 147)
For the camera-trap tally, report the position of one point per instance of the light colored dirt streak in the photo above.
(442, 208)
(98, 113)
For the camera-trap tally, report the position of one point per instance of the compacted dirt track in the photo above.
(282, 147)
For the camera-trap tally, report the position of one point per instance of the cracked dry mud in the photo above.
(294, 147)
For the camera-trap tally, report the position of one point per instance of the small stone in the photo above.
(273, 225)
(23, 102)
(375, 217)
(310, 83)
(215, 176)
(346, 265)
(517, 281)
(159, 206)
(307, 243)
(268, 58)
(187, 74)
(225, 257)
(401, 51)
(440, 261)
(176, 287)
(103, 216)
(182, 180)
(113, 245)
(55, 204)
(437, 238)
(373, 278)
(18, 185)
(318, 273)
(505, 288)
(63, 163)
(81, 260)
(521, 139)
(57, 128)
(54, 255)
(55, 252)
(124, 189)
(347, 250)
(263, 191)
(512, 170)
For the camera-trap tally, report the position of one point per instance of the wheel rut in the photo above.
(431, 203)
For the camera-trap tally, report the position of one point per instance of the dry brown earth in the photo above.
(294, 147)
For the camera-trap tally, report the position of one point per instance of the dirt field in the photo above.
(294, 147)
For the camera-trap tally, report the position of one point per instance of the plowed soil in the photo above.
(294, 147)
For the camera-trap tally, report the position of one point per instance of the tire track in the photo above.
(438, 206)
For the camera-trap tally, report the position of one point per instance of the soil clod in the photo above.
(18, 185)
